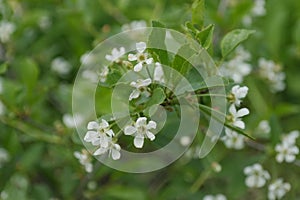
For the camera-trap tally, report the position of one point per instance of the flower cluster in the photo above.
(100, 133)
(287, 149)
(6, 30)
(238, 67)
(61, 66)
(102, 136)
(84, 159)
(232, 139)
(257, 177)
(272, 73)
(258, 10)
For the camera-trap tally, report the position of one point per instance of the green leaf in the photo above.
(156, 42)
(205, 36)
(3, 68)
(179, 63)
(112, 79)
(198, 9)
(232, 39)
(158, 97)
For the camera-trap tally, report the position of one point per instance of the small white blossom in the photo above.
(278, 189)
(113, 150)
(72, 120)
(44, 22)
(141, 130)
(6, 30)
(103, 74)
(286, 152)
(264, 127)
(99, 133)
(258, 8)
(235, 116)
(141, 57)
(4, 195)
(238, 93)
(256, 176)
(90, 75)
(61, 66)
(215, 197)
(84, 159)
(272, 72)
(290, 138)
(140, 86)
(237, 68)
(88, 58)
(158, 73)
(233, 140)
(134, 25)
(185, 141)
(4, 156)
(115, 54)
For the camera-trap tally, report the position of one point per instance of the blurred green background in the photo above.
(36, 96)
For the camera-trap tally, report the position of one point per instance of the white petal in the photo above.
(149, 61)
(242, 112)
(146, 82)
(151, 125)
(239, 124)
(90, 136)
(110, 133)
(104, 124)
(232, 109)
(92, 125)
(290, 158)
(141, 47)
(250, 181)
(141, 121)
(109, 58)
(132, 57)
(104, 141)
(150, 135)
(88, 167)
(115, 154)
(138, 67)
(134, 94)
(100, 151)
(138, 141)
(129, 130)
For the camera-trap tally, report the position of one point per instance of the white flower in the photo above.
(235, 116)
(278, 189)
(286, 152)
(264, 127)
(115, 54)
(258, 8)
(140, 130)
(256, 176)
(72, 120)
(290, 138)
(99, 133)
(158, 73)
(233, 140)
(113, 150)
(103, 74)
(140, 57)
(88, 58)
(6, 29)
(237, 67)
(185, 141)
(44, 22)
(134, 25)
(94, 77)
(84, 159)
(214, 197)
(271, 71)
(140, 86)
(238, 93)
(61, 66)
(4, 157)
